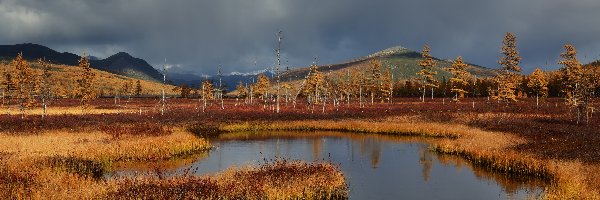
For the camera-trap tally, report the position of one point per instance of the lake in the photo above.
(375, 166)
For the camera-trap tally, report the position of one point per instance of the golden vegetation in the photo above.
(277, 180)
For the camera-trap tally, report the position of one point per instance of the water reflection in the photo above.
(376, 166)
(426, 161)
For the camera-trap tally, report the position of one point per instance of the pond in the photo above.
(375, 166)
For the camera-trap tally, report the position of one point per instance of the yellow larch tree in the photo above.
(25, 83)
(459, 80)
(85, 83)
(427, 73)
(538, 83)
(508, 79)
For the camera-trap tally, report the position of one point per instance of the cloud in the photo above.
(198, 35)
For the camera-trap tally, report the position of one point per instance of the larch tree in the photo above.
(459, 80)
(427, 73)
(387, 85)
(242, 91)
(85, 83)
(577, 85)
(315, 82)
(45, 92)
(8, 85)
(207, 92)
(25, 83)
(508, 79)
(262, 86)
(138, 88)
(126, 89)
(374, 83)
(538, 83)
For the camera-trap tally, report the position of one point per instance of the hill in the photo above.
(121, 63)
(106, 83)
(404, 61)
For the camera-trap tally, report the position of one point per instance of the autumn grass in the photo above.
(78, 110)
(487, 149)
(355, 126)
(277, 180)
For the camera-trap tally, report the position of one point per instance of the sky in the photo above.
(196, 36)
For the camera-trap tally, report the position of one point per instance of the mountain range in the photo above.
(121, 63)
(403, 61)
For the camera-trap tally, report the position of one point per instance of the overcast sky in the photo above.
(197, 35)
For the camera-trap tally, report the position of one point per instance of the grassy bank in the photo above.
(488, 149)
(64, 164)
(278, 180)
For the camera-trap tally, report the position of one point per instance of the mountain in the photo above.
(121, 63)
(404, 60)
(124, 64)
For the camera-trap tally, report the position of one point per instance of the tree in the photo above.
(126, 89)
(8, 85)
(538, 83)
(138, 88)
(85, 82)
(459, 78)
(242, 90)
(262, 86)
(374, 83)
(24, 83)
(508, 79)
(577, 85)
(185, 90)
(427, 74)
(45, 92)
(207, 92)
(386, 88)
(313, 87)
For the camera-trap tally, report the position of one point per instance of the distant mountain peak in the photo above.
(389, 51)
(122, 54)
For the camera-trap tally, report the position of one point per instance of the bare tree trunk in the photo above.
(423, 98)
(537, 101)
(431, 92)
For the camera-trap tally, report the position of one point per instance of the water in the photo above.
(375, 166)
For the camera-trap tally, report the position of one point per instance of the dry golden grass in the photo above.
(101, 147)
(357, 126)
(278, 180)
(64, 111)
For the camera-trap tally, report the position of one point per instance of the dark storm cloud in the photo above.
(198, 35)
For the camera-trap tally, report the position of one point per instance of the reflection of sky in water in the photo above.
(375, 168)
